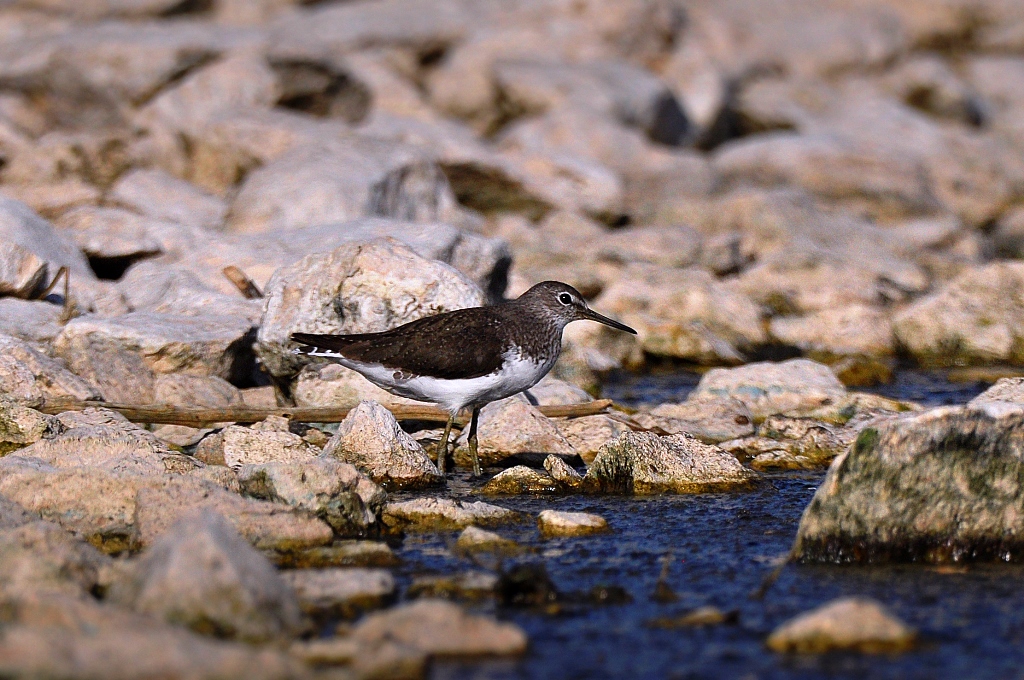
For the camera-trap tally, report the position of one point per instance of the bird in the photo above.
(464, 358)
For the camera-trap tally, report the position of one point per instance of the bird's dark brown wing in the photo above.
(465, 343)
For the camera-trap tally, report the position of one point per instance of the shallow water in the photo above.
(720, 547)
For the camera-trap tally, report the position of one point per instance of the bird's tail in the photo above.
(319, 345)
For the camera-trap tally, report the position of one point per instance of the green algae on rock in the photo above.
(937, 486)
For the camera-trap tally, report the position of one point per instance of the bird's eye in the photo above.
(565, 298)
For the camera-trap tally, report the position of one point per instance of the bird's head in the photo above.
(564, 303)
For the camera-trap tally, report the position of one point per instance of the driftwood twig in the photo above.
(246, 286)
(198, 417)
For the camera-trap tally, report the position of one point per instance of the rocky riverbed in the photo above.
(812, 212)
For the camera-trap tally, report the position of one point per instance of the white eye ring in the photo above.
(565, 298)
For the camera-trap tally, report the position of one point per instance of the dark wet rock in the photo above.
(768, 388)
(709, 419)
(426, 514)
(442, 629)
(557, 523)
(371, 439)
(353, 289)
(791, 444)
(940, 485)
(510, 427)
(351, 553)
(470, 585)
(203, 575)
(851, 624)
(527, 585)
(520, 479)
(645, 463)
(333, 491)
(476, 540)
(340, 591)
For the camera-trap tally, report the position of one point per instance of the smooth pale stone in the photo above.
(557, 523)
(853, 623)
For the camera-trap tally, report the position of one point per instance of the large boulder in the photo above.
(357, 288)
(203, 575)
(371, 439)
(644, 463)
(939, 485)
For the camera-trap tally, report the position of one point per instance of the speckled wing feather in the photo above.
(466, 343)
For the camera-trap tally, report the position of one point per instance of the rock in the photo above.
(21, 426)
(33, 251)
(710, 419)
(195, 391)
(342, 179)
(684, 313)
(471, 585)
(371, 439)
(164, 287)
(111, 234)
(971, 320)
(267, 442)
(158, 195)
(60, 636)
(476, 540)
(852, 623)
(939, 485)
(357, 288)
(165, 343)
(158, 504)
(425, 514)
(333, 491)
(441, 629)
(518, 480)
(557, 523)
(350, 553)
(551, 391)
(103, 439)
(644, 463)
(40, 557)
(340, 592)
(36, 321)
(791, 444)
(767, 388)
(587, 434)
(203, 575)
(853, 330)
(1005, 389)
(383, 660)
(28, 375)
(562, 473)
(509, 427)
(699, 617)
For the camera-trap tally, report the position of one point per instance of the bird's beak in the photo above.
(600, 318)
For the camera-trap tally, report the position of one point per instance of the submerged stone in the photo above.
(852, 624)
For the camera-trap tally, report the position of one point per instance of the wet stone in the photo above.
(471, 585)
(644, 463)
(520, 479)
(351, 553)
(557, 523)
(768, 388)
(851, 624)
(426, 514)
(476, 540)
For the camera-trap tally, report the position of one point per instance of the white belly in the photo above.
(515, 375)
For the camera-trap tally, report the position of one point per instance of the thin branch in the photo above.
(246, 286)
(198, 417)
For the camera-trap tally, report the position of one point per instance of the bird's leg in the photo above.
(442, 448)
(473, 442)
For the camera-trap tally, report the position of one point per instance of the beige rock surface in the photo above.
(858, 624)
(558, 523)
